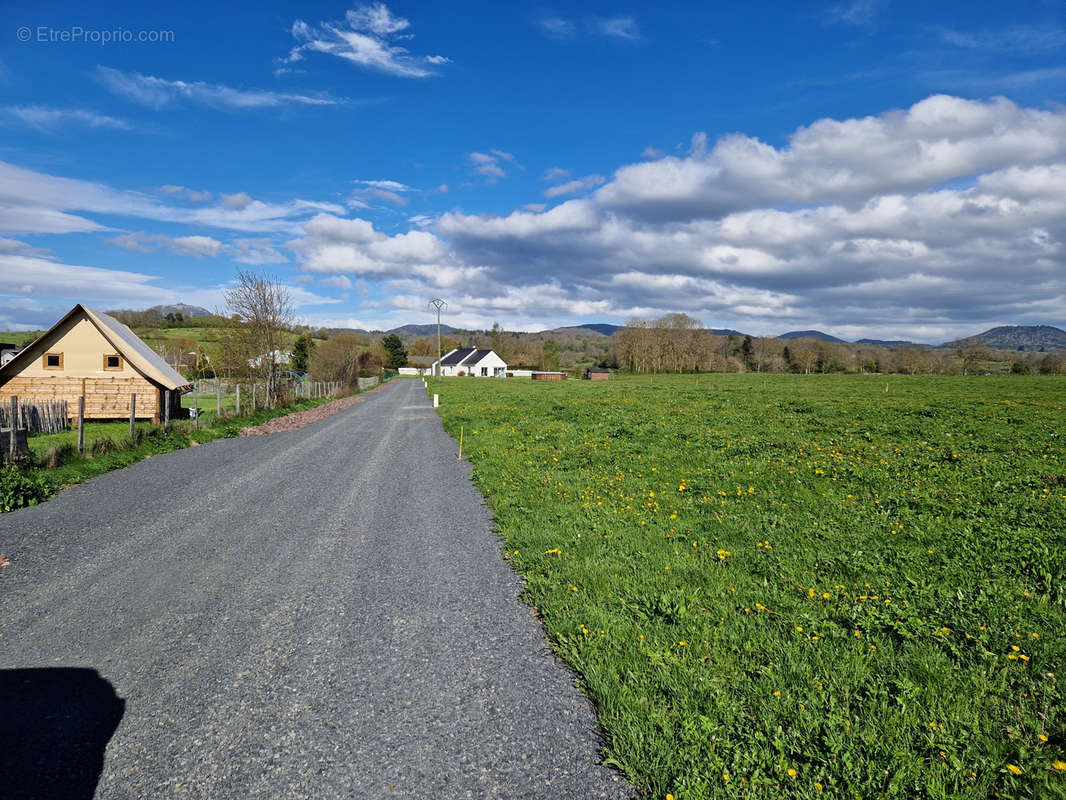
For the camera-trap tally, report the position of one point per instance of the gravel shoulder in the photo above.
(321, 613)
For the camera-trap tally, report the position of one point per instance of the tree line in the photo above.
(680, 343)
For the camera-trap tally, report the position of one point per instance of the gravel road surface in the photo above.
(319, 613)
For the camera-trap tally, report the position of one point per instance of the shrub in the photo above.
(20, 488)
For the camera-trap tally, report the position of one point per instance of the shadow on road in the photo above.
(54, 728)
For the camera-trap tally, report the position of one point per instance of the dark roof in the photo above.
(597, 369)
(456, 357)
(478, 355)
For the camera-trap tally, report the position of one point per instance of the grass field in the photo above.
(791, 586)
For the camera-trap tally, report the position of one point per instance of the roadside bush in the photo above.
(20, 488)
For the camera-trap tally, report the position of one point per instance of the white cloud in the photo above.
(617, 27)
(489, 164)
(255, 251)
(49, 120)
(157, 93)
(936, 140)
(575, 186)
(557, 27)
(1021, 38)
(364, 39)
(857, 13)
(192, 195)
(337, 281)
(555, 174)
(932, 221)
(193, 246)
(34, 202)
(237, 202)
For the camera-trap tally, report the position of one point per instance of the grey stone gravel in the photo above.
(314, 614)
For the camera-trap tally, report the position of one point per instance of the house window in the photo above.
(112, 361)
(484, 372)
(53, 361)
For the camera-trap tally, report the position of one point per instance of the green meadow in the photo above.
(792, 586)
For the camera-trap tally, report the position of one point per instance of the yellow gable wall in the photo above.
(83, 348)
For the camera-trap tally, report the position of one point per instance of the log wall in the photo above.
(105, 398)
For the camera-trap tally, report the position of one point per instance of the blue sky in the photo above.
(866, 167)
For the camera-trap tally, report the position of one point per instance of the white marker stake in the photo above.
(436, 400)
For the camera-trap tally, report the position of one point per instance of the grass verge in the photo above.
(107, 449)
(791, 586)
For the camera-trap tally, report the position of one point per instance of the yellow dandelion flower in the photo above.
(1015, 648)
(777, 693)
(725, 777)
(682, 643)
(1014, 769)
(792, 773)
(1042, 737)
(826, 595)
(1059, 765)
(799, 628)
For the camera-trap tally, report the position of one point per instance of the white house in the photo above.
(471, 361)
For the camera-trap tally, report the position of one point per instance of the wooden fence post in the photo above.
(14, 420)
(133, 416)
(166, 411)
(81, 424)
(238, 399)
(195, 408)
(253, 396)
(218, 396)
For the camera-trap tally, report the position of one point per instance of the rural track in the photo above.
(321, 613)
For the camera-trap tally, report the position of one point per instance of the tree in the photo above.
(498, 338)
(337, 359)
(302, 350)
(397, 354)
(261, 313)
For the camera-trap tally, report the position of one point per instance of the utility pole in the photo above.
(438, 304)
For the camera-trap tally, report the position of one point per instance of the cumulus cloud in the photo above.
(157, 93)
(365, 39)
(936, 140)
(50, 120)
(928, 221)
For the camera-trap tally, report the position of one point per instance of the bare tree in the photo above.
(261, 314)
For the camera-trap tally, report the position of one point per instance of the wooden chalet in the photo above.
(89, 354)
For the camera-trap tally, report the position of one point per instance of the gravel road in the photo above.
(320, 613)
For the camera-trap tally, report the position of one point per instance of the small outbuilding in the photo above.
(597, 374)
(549, 376)
(92, 355)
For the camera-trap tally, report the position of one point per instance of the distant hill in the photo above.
(1041, 338)
(424, 330)
(596, 327)
(187, 311)
(889, 343)
(728, 332)
(825, 337)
